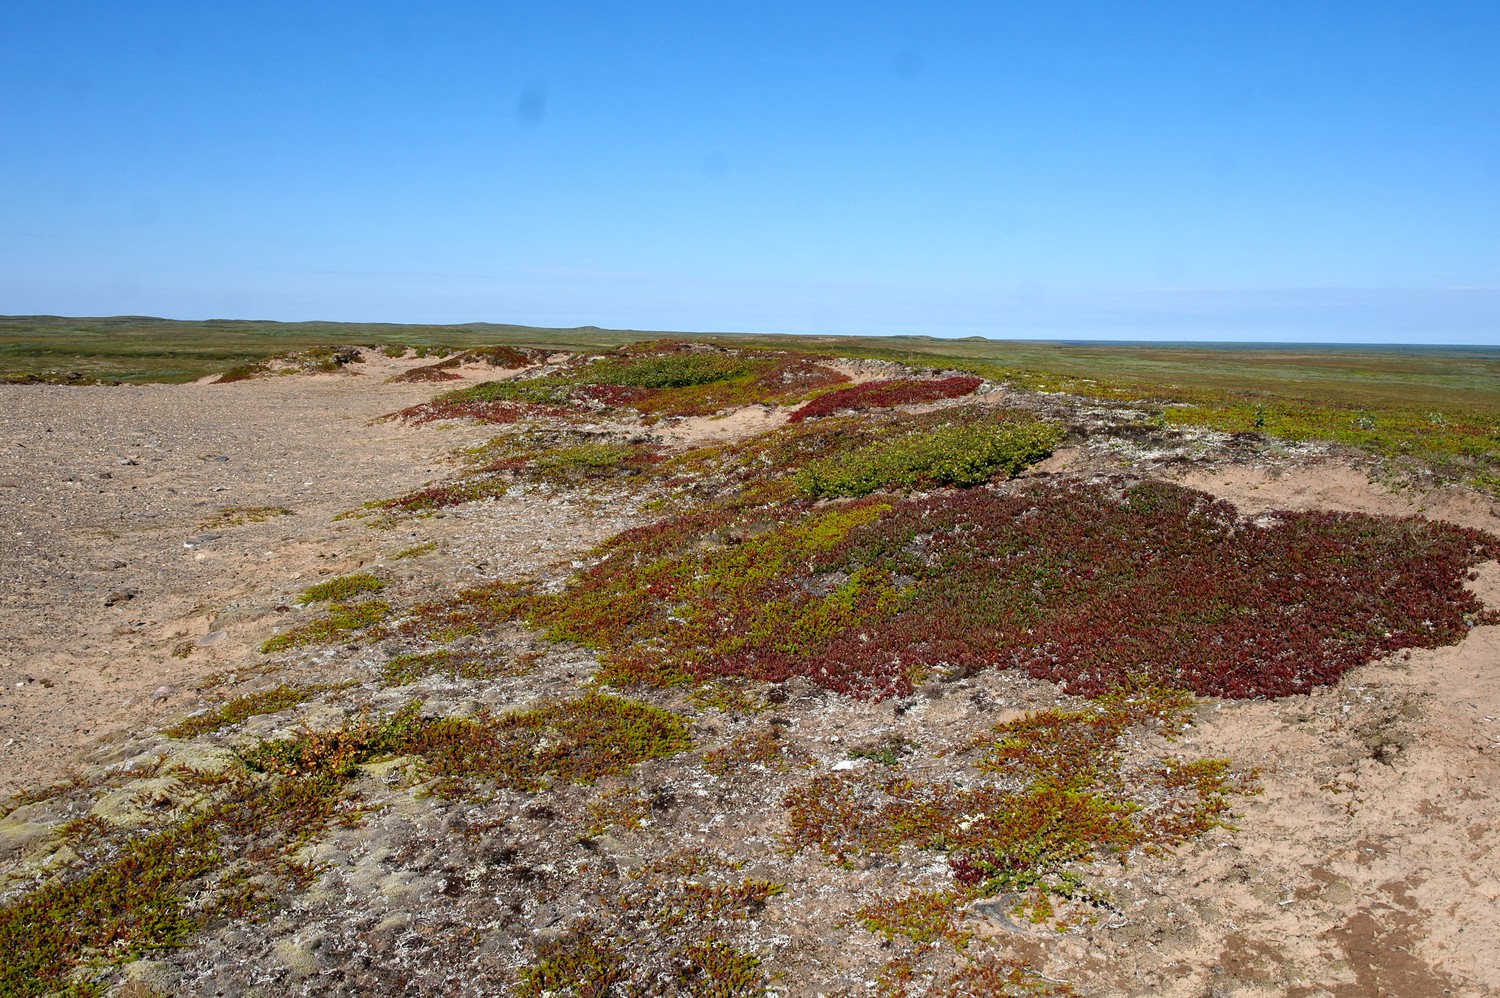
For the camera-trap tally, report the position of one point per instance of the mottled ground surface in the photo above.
(129, 598)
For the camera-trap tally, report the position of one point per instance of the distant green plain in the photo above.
(1435, 405)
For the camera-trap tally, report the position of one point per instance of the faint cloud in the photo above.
(715, 165)
(532, 107)
(907, 63)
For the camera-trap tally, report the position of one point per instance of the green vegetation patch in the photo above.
(242, 708)
(572, 741)
(960, 454)
(340, 621)
(225, 853)
(342, 588)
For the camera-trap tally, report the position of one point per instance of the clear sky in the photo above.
(1318, 170)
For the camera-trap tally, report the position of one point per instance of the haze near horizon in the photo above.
(1271, 172)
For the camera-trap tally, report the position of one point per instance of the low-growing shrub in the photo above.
(1060, 790)
(572, 741)
(242, 708)
(654, 379)
(1091, 585)
(886, 394)
(341, 589)
(238, 516)
(341, 620)
(959, 454)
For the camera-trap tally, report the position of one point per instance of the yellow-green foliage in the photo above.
(136, 892)
(684, 902)
(960, 454)
(341, 589)
(341, 620)
(1063, 792)
(679, 601)
(1463, 444)
(408, 668)
(236, 516)
(239, 709)
(571, 741)
(921, 916)
(763, 748)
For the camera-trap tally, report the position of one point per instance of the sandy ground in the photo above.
(1368, 865)
(108, 564)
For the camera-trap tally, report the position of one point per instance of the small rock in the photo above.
(211, 638)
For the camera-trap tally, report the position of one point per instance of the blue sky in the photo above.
(1322, 171)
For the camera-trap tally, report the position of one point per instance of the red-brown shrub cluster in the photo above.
(885, 394)
(1095, 586)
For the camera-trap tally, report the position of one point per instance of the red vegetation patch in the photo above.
(1096, 586)
(424, 374)
(479, 411)
(653, 380)
(885, 394)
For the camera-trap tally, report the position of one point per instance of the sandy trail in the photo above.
(105, 569)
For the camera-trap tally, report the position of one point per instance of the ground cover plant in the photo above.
(1060, 789)
(856, 455)
(242, 708)
(570, 741)
(886, 394)
(1096, 586)
(652, 380)
(221, 846)
(341, 589)
(659, 930)
(498, 355)
(340, 620)
(314, 360)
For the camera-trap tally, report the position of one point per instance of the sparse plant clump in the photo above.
(226, 853)
(409, 668)
(566, 457)
(238, 516)
(887, 394)
(572, 741)
(340, 621)
(493, 356)
(425, 374)
(415, 551)
(243, 372)
(313, 360)
(765, 749)
(341, 589)
(689, 901)
(1060, 791)
(242, 708)
(623, 807)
